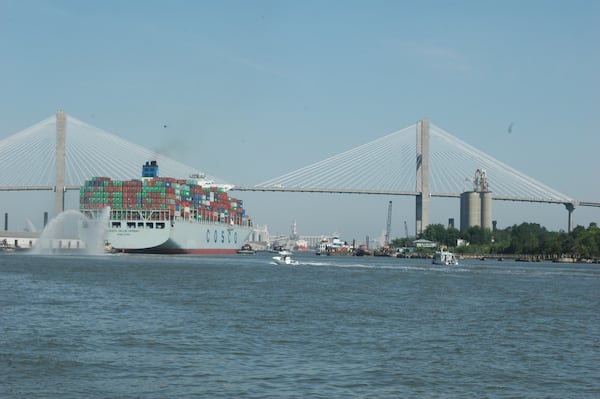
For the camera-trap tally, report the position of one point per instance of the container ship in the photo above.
(165, 215)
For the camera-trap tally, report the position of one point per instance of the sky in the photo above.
(250, 90)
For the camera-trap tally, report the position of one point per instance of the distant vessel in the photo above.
(295, 242)
(246, 250)
(165, 215)
(301, 245)
(335, 247)
(322, 247)
(385, 251)
(362, 250)
(445, 258)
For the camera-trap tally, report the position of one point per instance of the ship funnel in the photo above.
(150, 169)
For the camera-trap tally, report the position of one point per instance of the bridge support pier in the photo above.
(570, 208)
(422, 198)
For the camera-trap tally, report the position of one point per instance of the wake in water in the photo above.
(388, 265)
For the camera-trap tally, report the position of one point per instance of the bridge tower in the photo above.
(422, 189)
(570, 208)
(59, 188)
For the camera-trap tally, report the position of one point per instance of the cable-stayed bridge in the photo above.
(421, 160)
(430, 163)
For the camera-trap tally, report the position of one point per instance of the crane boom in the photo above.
(388, 229)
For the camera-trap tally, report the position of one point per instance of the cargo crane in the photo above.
(389, 225)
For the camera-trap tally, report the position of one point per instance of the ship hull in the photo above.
(180, 237)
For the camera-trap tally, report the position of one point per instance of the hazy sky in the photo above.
(251, 90)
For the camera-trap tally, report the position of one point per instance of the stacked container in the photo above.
(181, 198)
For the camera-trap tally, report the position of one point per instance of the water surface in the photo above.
(135, 326)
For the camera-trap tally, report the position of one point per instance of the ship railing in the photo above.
(167, 215)
(212, 219)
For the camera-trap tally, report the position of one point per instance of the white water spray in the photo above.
(72, 230)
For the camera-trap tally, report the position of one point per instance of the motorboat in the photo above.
(246, 250)
(284, 258)
(445, 258)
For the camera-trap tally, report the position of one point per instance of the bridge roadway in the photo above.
(338, 191)
(410, 193)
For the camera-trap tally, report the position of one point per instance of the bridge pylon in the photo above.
(59, 188)
(570, 208)
(422, 185)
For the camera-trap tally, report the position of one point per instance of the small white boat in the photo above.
(445, 258)
(285, 258)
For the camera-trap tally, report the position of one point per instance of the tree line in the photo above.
(526, 238)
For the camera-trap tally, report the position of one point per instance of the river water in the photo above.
(135, 326)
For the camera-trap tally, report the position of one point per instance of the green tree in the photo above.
(527, 238)
(436, 233)
(594, 231)
(477, 235)
(452, 236)
(401, 242)
(551, 244)
(586, 242)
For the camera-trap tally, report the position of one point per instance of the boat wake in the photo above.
(398, 267)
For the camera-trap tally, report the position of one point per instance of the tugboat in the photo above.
(363, 250)
(246, 250)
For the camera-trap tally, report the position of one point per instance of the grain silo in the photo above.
(476, 205)
(470, 210)
(486, 209)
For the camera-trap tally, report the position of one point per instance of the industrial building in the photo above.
(476, 205)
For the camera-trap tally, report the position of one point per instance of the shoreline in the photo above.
(529, 258)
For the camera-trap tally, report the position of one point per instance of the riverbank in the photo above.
(529, 258)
